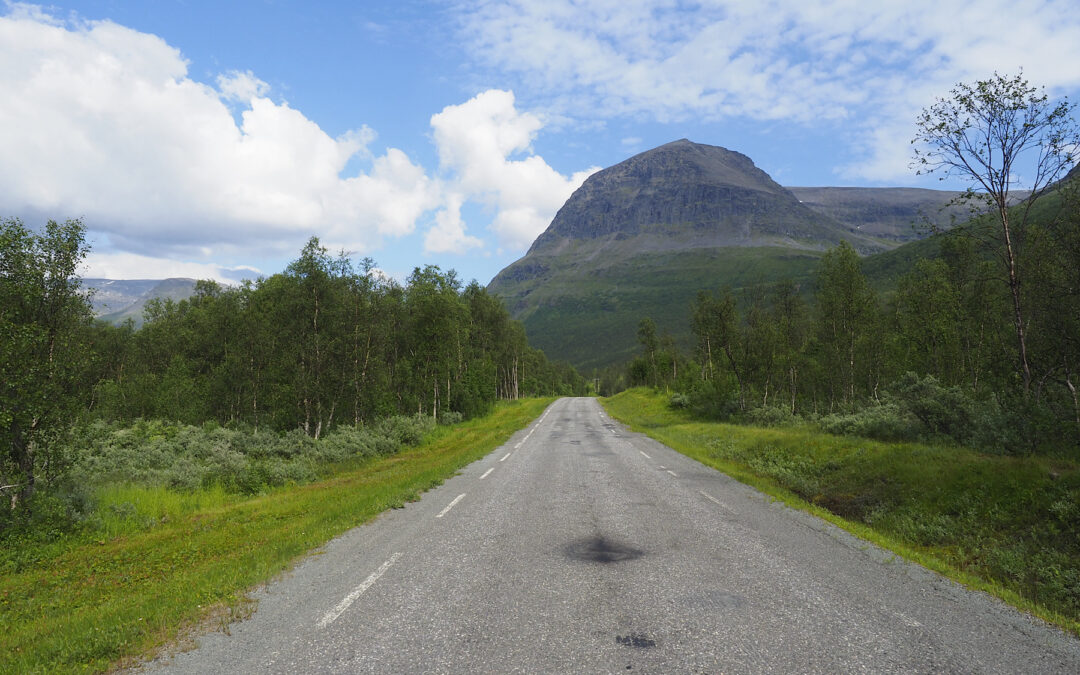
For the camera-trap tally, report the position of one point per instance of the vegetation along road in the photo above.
(581, 547)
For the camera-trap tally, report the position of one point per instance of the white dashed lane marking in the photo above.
(349, 599)
(451, 505)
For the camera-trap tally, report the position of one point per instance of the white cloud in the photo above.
(868, 65)
(448, 233)
(477, 141)
(99, 265)
(104, 122)
(242, 87)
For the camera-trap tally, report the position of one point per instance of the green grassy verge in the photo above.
(1006, 525)
(170, 561)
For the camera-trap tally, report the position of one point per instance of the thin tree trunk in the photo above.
(1076, 400)
(1014, 289)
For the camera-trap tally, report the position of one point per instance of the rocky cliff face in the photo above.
(889, 214)
(691, 194)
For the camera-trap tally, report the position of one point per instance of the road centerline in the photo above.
(349, 599)
(451, 505)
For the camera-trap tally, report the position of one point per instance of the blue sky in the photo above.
(211, 139)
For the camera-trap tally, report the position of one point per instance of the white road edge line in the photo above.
(671, 472)
(451, 505)
(708, 496)
(643, 453)
(714, 500)
(349, 599)
(505, 456)
(486, 473)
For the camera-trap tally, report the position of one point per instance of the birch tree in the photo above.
(1000, 136)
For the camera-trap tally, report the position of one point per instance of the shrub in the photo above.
(405, 430)
(448, 417)
(679, 401)
(715, 399)
(772, 416)
(886, 421)
(942, 411)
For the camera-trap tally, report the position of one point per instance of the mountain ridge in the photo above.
(642, 237)
(703, 195)
(116, 300)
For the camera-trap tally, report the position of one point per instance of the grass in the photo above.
(1006, 525)
(163, 562)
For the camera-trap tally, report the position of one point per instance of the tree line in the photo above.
(980, 342)
(327, 342)
(938, 354)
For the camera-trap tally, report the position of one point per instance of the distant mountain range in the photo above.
(642, 237)
(116, 300)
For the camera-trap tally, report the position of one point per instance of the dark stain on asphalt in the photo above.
(635, 640)
(602, 550)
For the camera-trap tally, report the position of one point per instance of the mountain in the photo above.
(642, 237)
(687, 195)
(891, 214)
(116, 300)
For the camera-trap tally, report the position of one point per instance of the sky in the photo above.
(213, 139)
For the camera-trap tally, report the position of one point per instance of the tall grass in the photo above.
(1008, 525)
(161, 559)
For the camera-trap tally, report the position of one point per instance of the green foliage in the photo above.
(186, 457)
(886, 421)
(999, 135)
(153, 561)
(43, 353)
(1010, 525)
(586, 311)
(323, 344)
(679, 401)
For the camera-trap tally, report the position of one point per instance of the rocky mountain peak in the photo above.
(690, 193)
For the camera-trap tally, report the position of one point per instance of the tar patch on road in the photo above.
(602, 550)
(634, 640)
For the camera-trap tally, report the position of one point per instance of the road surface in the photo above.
(579, 547)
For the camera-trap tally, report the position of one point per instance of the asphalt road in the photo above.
(579, 547)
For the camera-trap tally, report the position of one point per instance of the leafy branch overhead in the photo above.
(999, 135)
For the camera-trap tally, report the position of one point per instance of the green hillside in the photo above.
(589, 315)
(641, 238)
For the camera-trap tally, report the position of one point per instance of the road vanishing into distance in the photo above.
(579, 547)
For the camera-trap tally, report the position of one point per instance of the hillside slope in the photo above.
(116, 300)
(642, 237)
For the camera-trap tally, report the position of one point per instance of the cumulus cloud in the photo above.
(241, 86)
(478, 141)
(118, 265)
(448, 233)
(871, 66)
(104, 122)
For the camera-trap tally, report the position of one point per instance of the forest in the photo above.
(243, 386)
(978, 339)
(934, 357)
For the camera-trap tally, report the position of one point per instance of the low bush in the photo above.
(773, 416)
(887, 421)
(679, 401)
(155, 453)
